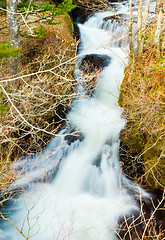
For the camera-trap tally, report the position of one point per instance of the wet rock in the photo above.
(80, 15)
(133, 226)
(76, 32)
(91, 65)
(73, 136)
(94, 62)
(118, 17)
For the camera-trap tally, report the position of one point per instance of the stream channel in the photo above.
(89, 194)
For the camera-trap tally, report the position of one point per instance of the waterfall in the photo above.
(88, 194)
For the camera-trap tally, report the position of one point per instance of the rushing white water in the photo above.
(89, 192)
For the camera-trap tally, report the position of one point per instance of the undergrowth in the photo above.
(142, 96)
(34, 103)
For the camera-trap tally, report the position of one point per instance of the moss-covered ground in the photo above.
(142, 97)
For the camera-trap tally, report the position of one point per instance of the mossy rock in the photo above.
(133, 138)
(63, 30)
(154, 160)
(52, 38)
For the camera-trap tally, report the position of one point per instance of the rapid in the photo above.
(84, 192)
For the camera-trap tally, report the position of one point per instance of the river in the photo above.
(87, 196)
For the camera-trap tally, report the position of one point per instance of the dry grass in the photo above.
(142, 96)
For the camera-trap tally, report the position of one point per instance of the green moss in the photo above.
(142, 97)
(154, 160)
(6, 50)
(40, 32)
(3, 108)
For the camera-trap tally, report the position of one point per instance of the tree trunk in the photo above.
(160, 14)
(144, 22)
(13, 29)
(158, 32)
(139, 29)
(160, 4)
(130, 31)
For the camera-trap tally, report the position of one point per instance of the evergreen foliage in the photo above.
(25, 4)
(3, 3)
(65, 7)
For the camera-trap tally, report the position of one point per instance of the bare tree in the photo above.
(130, 30)
(13, 29)
(160, 5)
(139, 28)
(160, 12)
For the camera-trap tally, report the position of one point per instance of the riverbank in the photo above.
(33, 104)
(142, 97)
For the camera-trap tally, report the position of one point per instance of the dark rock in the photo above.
(118, 17)
(133, 226)
(73, 136)
(80, 15)
(94, 62)
(76, 32)
(91, 65)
